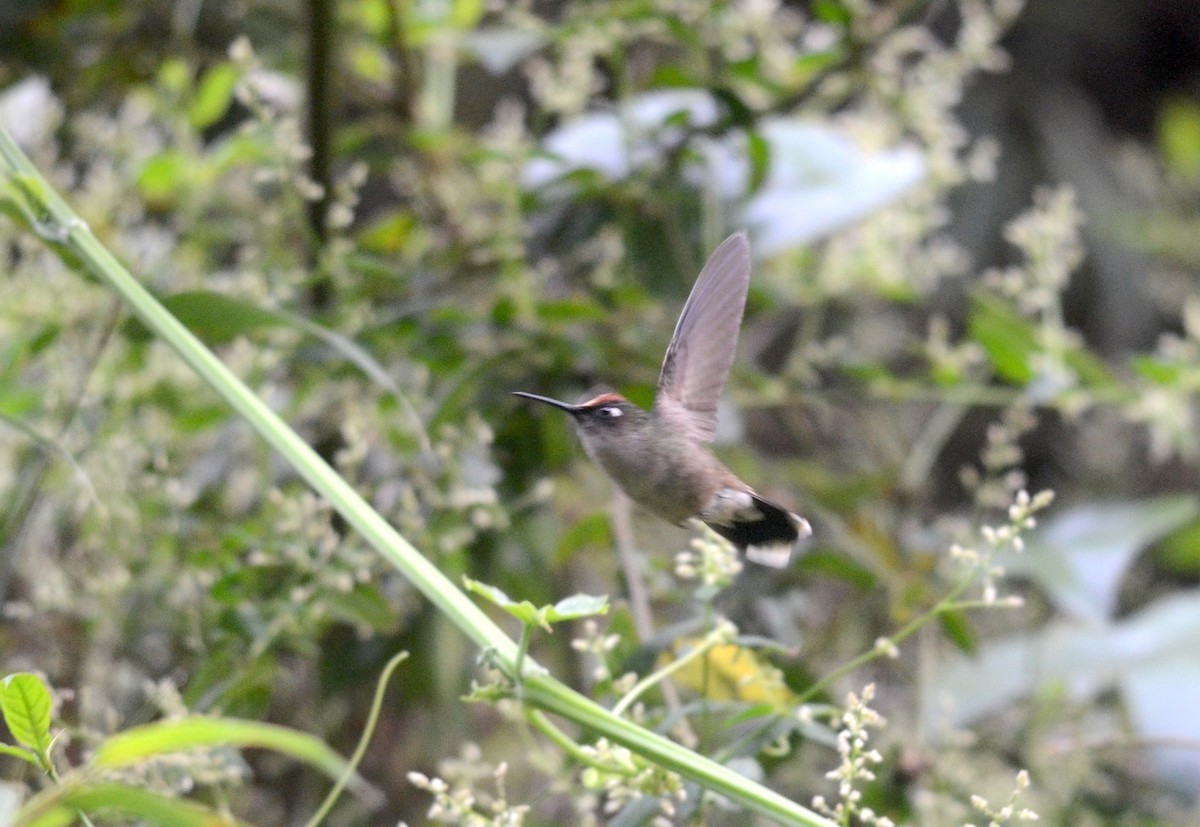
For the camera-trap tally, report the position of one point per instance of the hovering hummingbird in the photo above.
(660, 457)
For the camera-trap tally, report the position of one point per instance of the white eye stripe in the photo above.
(611, 412)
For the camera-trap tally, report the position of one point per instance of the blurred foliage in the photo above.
(897, 391)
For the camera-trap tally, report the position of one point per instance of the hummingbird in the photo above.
(660, 457)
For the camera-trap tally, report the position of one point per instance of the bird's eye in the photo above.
(610, 412)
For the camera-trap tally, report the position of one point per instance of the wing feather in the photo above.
(705, 341)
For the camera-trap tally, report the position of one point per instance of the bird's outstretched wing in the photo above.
(702, 350)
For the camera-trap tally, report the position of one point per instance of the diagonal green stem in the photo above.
(23, 189)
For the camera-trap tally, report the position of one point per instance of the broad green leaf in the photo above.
(733, 674)
(213, 96)
(18, 402)
(577, 606)
(25, 702)
(164, 176)
(388, 234)
(1157, 370)
(466, 14)
(217, 318)
(592, 531)
(1179, 136)
(523, 611)
(832, 11)
(61, 805)
(839, 565)
(956, 626)
(175, 76)
(1010, 340)
(1080, 555)
(759, 153)
(163, 737)
(1179, 552)
(569, 310)
(1006, 338)
(370, 62)
(1149, 658)
(19, 752)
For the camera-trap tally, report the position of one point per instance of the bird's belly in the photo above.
(672, 493)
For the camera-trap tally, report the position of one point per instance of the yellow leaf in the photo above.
(734, 674)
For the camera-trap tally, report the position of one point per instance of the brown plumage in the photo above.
(660, 457)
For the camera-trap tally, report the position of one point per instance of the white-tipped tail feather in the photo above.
(778, 555)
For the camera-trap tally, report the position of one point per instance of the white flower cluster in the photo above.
(856, 762)
(460, 800)
(597, 644)
(996, 538)
(624, 776)
(712, 560)
(1004, 814)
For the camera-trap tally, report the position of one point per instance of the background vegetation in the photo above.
(977, 277)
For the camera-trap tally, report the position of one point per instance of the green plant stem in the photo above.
(522, 651)
(26, 191)
(363, 741)
(547, 727)
(948, 603)
(713, 638)
(705, 681)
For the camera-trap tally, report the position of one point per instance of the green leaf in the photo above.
(837, 565)
(956, 626)
(759, 152)
(577, 606)
(163, 177)
(62, 804)
(214, 95)
(370, 62)
(672, 76)
(19, 752)
(466, 14)
(569, 608)
(832, 11)
(1081, 556)
(569, 310)
(388, 234)
(175, 76)
(1179, 136)
(213, 317)
(591, 531)
(218, 318)
(25, 702)
(163, 737)
(1008, 339)
(523, 611)
(1157, 370)
(736, 109)
(1179, 551)
(808, 65)
(18, 402)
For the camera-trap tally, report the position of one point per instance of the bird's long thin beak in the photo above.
(571, 409)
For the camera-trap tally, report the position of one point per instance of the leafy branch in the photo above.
(27, 193)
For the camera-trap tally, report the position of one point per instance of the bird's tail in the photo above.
(767, 534)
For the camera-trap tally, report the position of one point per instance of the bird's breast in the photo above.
(674, 480)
